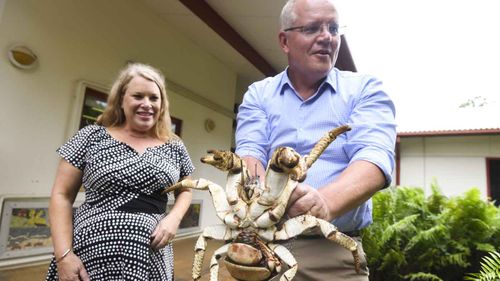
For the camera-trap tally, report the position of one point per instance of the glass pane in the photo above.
(93, 105)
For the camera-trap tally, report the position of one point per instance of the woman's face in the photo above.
(141, 104)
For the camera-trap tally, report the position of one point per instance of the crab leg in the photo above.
(284, 162)
(222, 208)
(331, 232)
(285, 169)
(298, 225)
(272, 262)
(286, 257)
(217, 232)
(285, 165)
(214, 261)
(323, 143)
(234, 184)
(268, 199)
(295, 226)
(272, 216)
(237, 174)
(228, 162)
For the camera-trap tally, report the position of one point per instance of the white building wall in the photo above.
(457, 163)
(92, 40)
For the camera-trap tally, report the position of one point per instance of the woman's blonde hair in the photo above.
(113, 115)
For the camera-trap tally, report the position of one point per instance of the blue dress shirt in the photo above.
(272, 114)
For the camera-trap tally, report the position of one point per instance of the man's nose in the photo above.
(325, 34)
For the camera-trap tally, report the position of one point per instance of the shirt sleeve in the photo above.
(186, 165)
(252, 128)
(75, 149)
(373, 134)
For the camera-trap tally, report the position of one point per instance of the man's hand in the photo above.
(255, 168)
(307, 200)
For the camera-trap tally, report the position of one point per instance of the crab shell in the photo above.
(244, 261)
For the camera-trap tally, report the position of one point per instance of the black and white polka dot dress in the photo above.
(123, 205)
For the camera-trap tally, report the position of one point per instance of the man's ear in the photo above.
(283, 41)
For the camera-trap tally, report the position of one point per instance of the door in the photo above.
(493, 174)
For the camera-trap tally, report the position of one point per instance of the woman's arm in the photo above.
(66, 185)
(167, 228)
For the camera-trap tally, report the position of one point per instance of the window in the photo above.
(94, 103)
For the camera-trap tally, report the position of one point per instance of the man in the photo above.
(296, 108)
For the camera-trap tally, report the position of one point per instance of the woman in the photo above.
(121, 231)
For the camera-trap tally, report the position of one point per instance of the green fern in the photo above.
(423, 238)
(422, 276)
(402, 225)
(429, 235)
(490, 269)
(485, 247)
(460, 259)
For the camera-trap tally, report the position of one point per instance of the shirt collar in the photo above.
(330, 81)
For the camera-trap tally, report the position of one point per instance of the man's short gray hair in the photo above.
(288, 16)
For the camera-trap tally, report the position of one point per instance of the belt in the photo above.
(354, 233)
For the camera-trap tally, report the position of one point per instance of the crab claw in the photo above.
(223, 160)
(187, 183)
(286, 159)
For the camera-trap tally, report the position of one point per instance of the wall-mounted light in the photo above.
(22, 57)
(209, 125)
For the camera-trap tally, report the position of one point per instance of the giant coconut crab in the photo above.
(251, 214)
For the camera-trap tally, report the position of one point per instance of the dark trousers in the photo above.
(321, 259)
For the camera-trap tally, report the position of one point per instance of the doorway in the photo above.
(493, 177)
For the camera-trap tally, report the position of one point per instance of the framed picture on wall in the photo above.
(25, 227)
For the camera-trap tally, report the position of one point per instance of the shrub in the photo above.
(414, 237)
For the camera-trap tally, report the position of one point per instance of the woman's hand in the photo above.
(71, 268)
(164, 232)
(166, 229)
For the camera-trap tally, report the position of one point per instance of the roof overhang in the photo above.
(447, 133)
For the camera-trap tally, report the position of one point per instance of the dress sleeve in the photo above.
(75, 149)
(186, 165)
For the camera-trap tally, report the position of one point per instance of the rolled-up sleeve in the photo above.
(373, 134)
(252, 126)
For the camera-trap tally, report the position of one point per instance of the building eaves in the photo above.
(440, 133)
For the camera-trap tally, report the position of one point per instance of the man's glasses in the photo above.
(316, 28)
